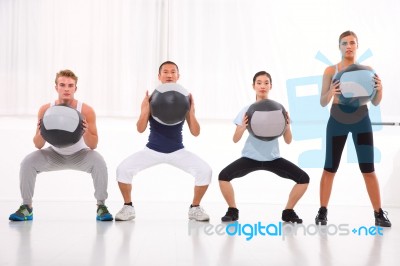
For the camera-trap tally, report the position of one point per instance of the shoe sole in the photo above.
(321, 222)
(199, 220)
(19, 219)
(294, 222)
(121, 220)
(105, 218)
(383, 225)
(229, 220)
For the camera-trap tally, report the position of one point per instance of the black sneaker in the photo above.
(381, 219)
(231, 215)
(289, 215)
(322, 216)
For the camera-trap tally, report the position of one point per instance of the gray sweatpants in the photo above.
(46, 160)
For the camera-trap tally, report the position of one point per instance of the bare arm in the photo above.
(240, 129)
(191, 119)
(38, 140)
(143, 120)
(329, 89)
(89, 127)
(287, 136)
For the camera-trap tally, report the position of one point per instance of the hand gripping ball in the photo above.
(169, 104)
(266, 120)
(356, 84)
(61, 126)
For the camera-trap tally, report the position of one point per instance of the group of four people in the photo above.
(165, 145)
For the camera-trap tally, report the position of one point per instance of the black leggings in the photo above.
(336, 136)
(280, 166)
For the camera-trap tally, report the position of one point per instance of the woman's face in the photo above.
(348, 46)
(262, 86)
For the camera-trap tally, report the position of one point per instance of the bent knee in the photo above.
(303, 179)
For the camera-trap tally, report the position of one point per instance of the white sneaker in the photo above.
(126, 213)
(198, 214)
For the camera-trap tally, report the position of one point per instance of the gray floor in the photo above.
(66, 233)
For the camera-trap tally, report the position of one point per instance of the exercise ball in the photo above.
(169, 104)
(266, 119)
(357, 85)
(61, 126)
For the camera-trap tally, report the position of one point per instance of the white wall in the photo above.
(115, 47)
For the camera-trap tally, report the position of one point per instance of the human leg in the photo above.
(287, 169)
(196, 167)
(34, 163)
(336, 136)
(238, 168)
(125, 172)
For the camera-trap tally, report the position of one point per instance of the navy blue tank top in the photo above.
(163, 138)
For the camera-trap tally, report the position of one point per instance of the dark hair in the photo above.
(167, 63)
(261, 73)
(347, 33)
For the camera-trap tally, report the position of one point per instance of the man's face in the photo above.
(65, 88)
(168, 74)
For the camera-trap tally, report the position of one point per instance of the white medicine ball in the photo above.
(357, 85)
(61, 126)
(266, 119)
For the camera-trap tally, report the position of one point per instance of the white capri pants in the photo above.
(182, 159)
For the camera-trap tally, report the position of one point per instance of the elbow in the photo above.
(195, 133)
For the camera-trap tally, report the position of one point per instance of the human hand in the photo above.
(85, 126)
(334, 89)
(378, 83)
(145, 107)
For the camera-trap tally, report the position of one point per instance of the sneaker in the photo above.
(322, 216)
(197, 213)
(126, 213)
(289, 215)
(231, 215)
(381, 219)
(24, 213)
(103, 214)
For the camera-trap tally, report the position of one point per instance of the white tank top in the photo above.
(75, 147)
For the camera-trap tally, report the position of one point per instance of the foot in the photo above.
(289, 215)
(103, 214)
(231, 215)
(322, 216)
(24, 213)
(126, 213)
(197, 213)
(381, 219)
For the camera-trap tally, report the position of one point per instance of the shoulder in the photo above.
(87, 108)
(330, 70)
(43, 109)
(87, 111)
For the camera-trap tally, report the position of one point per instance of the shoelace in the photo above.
(102, 209)
(383, 214)
(198, 210)
(21, 209)
(125, 209)
(230, 213)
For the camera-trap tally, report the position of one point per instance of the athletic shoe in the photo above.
(231, 215)
(289, 215)
(197, 213)
(103, 214)
(322, 216)
(381, 219)
(24, 213)
(126, 213)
